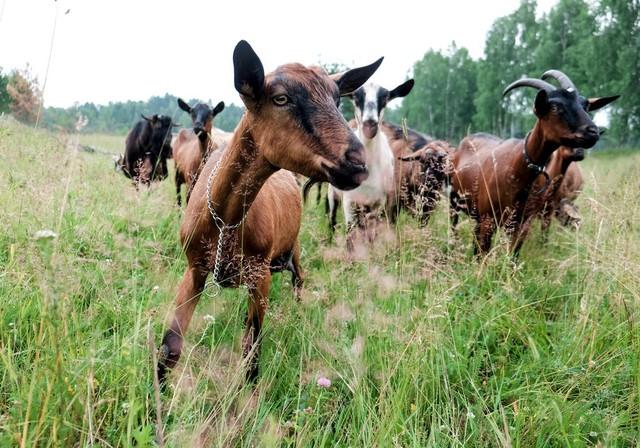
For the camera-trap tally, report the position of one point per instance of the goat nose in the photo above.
(593, 130)
(355, 154)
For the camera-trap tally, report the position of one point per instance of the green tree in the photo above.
(346, 106)
(5, 99)
(616, 65)
(566, 42)
(441, 102)
(25, 95)
(509, 55)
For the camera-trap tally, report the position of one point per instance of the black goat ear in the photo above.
(349, 81)
(219, 108)
(541, 105)
(184, 106)
(599, 103)
(248, 74)
(402, 90)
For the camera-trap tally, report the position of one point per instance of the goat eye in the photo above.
(280, 100)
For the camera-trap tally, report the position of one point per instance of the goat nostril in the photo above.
(356, 156)
(592, 129)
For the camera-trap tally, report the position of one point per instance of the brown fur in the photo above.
(419, 175)
(249, 181)
(562, 204)
(189, 152)
(491, 179)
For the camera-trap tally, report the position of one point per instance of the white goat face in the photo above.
(370, 101)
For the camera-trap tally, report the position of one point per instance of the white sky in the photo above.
(115, 50)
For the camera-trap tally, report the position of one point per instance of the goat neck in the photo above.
(538, 149)
(241, 174)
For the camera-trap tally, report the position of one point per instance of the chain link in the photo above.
(218, 221)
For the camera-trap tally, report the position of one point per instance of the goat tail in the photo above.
(307, 186)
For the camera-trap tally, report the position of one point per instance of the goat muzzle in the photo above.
(370, 129)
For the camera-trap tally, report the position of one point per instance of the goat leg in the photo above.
(258, 298)
(484, 230)
(187, 298)
(297, 278)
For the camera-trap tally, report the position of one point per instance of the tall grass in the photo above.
(424, 345)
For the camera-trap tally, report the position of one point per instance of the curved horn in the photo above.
(562, 79)
(529, 82)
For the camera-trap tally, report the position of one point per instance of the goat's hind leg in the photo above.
(297, 278)
(258, 299)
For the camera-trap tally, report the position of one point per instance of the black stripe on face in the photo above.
(382, 99)
(358, 99)
(303, 109)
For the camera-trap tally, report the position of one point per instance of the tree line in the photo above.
(596, 43)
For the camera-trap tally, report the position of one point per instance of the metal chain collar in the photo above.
(218, 221)
(539, 169)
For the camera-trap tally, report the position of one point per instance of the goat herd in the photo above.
(244, 205)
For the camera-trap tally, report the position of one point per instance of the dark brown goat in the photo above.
(491, 178)
(147, 148)
(562, 204)
(243, 219)
(191, 147)
(420, 176)
(560, 174)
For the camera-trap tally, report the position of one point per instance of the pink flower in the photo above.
(324, 382)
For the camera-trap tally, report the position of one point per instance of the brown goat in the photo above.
(561, 169)
(563, 205)
(492, 178)
(243, 219)
(420, 176)
(191, 147)
(542, 201)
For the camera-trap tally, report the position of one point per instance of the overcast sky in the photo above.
(115, 50)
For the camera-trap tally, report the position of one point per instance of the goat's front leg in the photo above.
(332, 209)
(187, 298)
(350, 219)
(545, 221)
(484, 230)
(454, 210)
(179, 182)
(258, 300)
(519, 235)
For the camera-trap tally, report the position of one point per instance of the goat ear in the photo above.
(402, 90)
(541, 105)
(349, 81)
(599, 103)
(248, 75)
(219, 108)
(184, 106)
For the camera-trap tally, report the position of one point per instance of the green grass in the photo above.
(424, 346)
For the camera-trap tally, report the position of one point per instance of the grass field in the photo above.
(424, 346)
